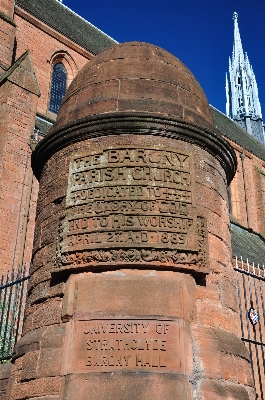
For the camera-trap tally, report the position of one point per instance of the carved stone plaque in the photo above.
(131, 205)
(105, 345)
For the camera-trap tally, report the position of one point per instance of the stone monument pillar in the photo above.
(132, 292)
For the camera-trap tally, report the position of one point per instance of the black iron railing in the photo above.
(251, 287)
(13, 292)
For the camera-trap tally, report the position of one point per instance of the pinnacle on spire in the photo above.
(237, 48)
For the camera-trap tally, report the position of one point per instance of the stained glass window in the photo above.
(58, 88)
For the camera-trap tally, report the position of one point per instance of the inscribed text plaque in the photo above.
(105, 345)
(131, 205)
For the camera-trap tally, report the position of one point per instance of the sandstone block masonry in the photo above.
(25, 90)
(132, 263)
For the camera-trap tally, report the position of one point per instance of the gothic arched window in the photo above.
(58, 87)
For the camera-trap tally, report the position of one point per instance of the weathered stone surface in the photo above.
(236, 369)
(5, 370)
(206, 350)
(53, 337)
(43, 314)
(131, 386)
(148, 343)
(131, 206)
(41, 338)
(49, 363)
(212, 389)
(29, 365)
(36, 388)
(132, 216)
(131, 294)
(44, 291)
(149, 79)
(116, 345)
(229, 343)
(29, 342)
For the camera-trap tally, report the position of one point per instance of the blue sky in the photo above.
(199, 33)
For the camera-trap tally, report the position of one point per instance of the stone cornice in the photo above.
(135, 124)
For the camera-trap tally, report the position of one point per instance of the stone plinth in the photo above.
(132, 290)
(141, 332)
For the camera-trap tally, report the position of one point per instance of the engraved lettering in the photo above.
(127, 344)
(131, 205)
(139, 359)
(89, 361)
(113, 156)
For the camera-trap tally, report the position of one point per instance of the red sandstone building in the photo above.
(34, 41)
(39, 58)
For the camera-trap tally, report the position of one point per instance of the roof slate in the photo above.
(249, 246)
(238, 135)
(68, 23)
(42, 125)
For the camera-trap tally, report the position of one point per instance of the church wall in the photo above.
(248, 194)
(7, 30)
(44, 44)
(18, 122)
(7, 7)
(47, 47)
(254, 192)
(260, 184)
(237, 200)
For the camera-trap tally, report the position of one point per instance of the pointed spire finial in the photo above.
(242, 100)
(237, 49)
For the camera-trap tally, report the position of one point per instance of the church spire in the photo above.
(237, 47)
(242, 101)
